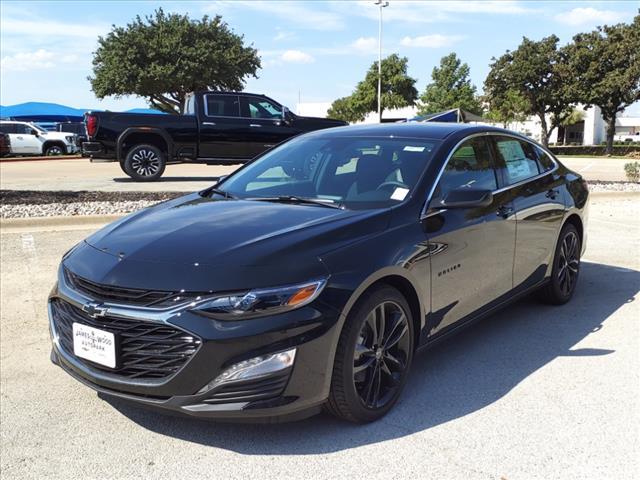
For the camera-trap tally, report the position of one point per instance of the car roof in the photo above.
(432, 130)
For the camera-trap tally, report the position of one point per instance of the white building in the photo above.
(590, 131)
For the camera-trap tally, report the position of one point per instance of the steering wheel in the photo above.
(392, 183)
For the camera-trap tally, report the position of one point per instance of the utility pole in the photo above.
(381, 4)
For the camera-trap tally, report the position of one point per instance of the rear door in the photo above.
(471, 249)
(266, 127)
(529, 176)
(23, 139)
(223, 134)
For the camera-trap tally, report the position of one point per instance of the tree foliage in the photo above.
(450, 88)
(539, 72)
(606, 63)
(398, 90)
(507, 108)
(163, 57)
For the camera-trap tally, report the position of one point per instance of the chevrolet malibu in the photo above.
(310, 277)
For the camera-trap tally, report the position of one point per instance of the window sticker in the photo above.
(412, 148)
(399, 193)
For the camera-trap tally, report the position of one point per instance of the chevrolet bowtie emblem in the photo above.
(94, 309)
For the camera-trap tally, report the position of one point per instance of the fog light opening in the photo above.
(253, 368)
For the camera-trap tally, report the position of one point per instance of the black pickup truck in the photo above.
(217, 128)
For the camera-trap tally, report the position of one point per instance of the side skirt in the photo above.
(479, 314)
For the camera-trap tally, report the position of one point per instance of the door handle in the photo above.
(552, 194)
(504, 211)
(255, 125)
(19, 138)
(209, 123)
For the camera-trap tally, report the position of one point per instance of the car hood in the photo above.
(193, 241)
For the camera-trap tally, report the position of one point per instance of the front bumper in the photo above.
(295, 393)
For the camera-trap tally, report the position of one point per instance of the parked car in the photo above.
(29, 139)
(627, 137)
(309, 277)
(78, 128)
(5, 144)
(217, 128)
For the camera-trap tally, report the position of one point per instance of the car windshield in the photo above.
(36, 127)
(353, 172)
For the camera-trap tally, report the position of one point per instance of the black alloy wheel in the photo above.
(54, 150)
(145, 163)
(380, 355)
(373, 357)
(566, 268)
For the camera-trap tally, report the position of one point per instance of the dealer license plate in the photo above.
(95, 345)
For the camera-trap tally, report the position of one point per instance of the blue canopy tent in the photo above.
(40, 112)
(455, 115)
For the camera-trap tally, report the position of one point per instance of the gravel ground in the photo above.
(31, 203)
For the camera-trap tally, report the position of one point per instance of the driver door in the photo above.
(472, 249)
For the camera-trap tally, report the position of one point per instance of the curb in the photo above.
(41, 159)
(75, 222)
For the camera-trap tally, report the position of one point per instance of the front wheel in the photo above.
(566, 267)
(145, 163)
(52, 150)
(373, 357)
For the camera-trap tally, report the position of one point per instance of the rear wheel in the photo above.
(373, 357)
(144, 163)
(566, 267)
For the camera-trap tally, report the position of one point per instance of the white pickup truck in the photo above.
(29, 139)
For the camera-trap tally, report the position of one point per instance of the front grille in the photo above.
(125, 296)
(251, 390)
(147, 350)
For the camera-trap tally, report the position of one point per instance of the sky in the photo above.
(315, 51)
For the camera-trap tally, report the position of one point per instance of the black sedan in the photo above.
(311, 276)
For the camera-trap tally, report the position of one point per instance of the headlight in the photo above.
(260, 302)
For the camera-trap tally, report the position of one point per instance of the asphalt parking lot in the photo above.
(80, 174)
(533, 392)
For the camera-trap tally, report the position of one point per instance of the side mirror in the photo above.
(467, 198)
(35, 132)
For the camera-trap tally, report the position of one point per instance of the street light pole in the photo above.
(381, 4)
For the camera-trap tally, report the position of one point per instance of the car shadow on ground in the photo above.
(170, 179)
(456, 378)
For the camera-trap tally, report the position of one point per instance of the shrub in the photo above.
(619, 150)
(632, 170)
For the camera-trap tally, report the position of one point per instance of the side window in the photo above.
(256, 107)
(471, 165)
(545, 161)
(519, 159)
(190, 106)
(8, 128)
(222, 106)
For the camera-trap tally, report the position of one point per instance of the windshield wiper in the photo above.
(296, 199)
(217, 191)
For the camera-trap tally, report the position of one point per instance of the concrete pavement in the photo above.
(534, 392)
(80, 174)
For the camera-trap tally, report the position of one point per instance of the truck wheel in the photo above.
(145, 163)
(55, 149)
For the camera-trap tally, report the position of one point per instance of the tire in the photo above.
(145, 163)
(353, 388)
(55, 149)
(566, 268)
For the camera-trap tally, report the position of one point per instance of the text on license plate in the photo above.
(95, 345)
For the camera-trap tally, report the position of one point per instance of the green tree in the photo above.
(538, 71)
(163, 57)
(398, 90)
(606, 63)
(508, 108)
(450, 88)
(343, 109)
